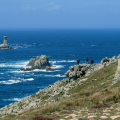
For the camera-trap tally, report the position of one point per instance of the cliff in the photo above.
(74, 97)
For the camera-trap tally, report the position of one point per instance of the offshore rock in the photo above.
(38, 63)
(48, 68)
(2, 46)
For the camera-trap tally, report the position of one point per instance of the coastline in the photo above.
(48, 95)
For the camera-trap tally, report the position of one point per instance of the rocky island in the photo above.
(5, 45)
(40, 62)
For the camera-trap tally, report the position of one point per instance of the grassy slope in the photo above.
(97, 89)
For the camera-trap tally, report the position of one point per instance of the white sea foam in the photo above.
(53, 62)
(37, 70)
(1, 73)
(29, 79)
(61, 75)
(16, 81)
(21, 46)
(58, 75)
(57, 66)
(12, 99)
(10, 82)
(15, 65)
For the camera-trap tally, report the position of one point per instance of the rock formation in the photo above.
(49, 68)
(38, 63)
(78, 71)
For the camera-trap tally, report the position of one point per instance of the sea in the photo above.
(62, 46)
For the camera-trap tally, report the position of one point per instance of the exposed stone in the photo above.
(37, 63)
(78, 71)
(49, 68)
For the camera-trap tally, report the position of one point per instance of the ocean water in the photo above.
(63, 48)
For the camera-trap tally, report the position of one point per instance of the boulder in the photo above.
(77, 71)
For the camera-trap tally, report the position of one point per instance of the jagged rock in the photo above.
(118, 56)
(26, 69)
(114, 59)
(37, 63)
(49, 69)
(78, 71)
(31, 63)
(61, 74)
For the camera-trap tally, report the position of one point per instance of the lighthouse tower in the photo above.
(5, 41)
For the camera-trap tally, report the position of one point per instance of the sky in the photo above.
(58, 14)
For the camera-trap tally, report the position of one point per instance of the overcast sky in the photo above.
(59, 14)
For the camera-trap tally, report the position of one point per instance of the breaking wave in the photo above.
(15, 81)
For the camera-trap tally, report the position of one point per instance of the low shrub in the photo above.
(100, 106)
(45, 118)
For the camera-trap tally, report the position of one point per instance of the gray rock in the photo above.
(31, 63)
(118, 57)
(114, 59)
(49, 68)
(78, 71)
(37, 63)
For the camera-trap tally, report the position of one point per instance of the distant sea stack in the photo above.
(40, 62)
(5, 45)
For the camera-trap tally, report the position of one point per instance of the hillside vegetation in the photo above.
(92, 98)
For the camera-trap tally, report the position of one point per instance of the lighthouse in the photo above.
(5, 41)
(5, 45)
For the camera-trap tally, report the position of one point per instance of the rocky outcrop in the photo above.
(78, 71)
(49, 68)
(2, 46)
(38, 63)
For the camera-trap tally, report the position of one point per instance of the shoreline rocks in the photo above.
(48, 68)
(78, 71)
